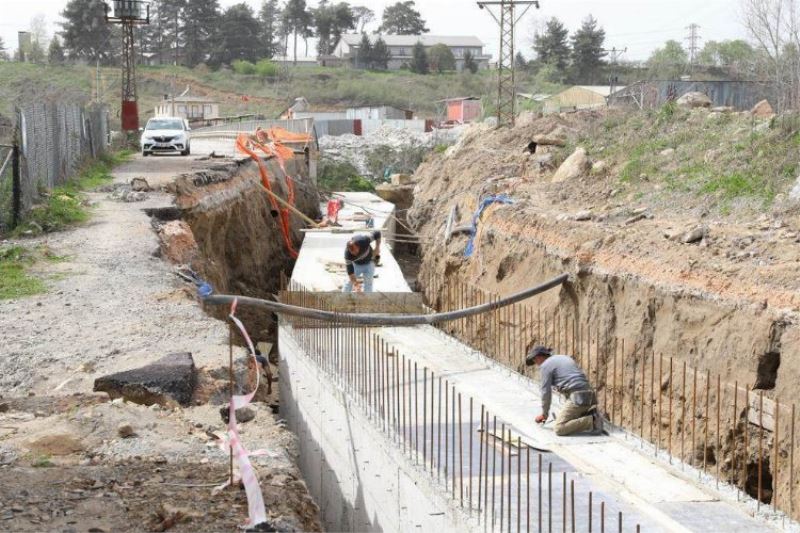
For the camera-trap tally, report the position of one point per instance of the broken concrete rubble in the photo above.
(177, 242)
(167, 382)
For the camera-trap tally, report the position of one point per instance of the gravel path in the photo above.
(112, 305)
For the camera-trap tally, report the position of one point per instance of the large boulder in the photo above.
(694, 100)
(574, 167)
(763, 109)
(167, 382)
(557, 137)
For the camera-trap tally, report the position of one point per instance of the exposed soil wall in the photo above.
(241, 249)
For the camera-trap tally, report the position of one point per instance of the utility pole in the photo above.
(614, 55)
(507, 19)
(129, 14)
(694, 44)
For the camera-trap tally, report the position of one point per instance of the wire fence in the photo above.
(54, 139)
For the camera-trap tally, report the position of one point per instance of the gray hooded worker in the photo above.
(579, 414)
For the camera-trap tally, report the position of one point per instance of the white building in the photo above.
(401, 48)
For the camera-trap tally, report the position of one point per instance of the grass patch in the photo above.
(43, 461)
(739, 184)
(15, 282)
(66, 204)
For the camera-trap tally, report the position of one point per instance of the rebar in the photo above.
(694, 418)
(760, 444)
(484, 429)
(549, 497)
(460, 453)
(719, 407)
(502, 471)
(776, 443)
(660, 398)
(706, 423)
(671, 393)
(425, 416)
(791, 465)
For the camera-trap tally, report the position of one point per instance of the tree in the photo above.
(297, 20)
(86, 33)
(238, 30)
(55, 53)
(201, 20)
(587, 51)
(551, 45)
(331, 21)
(38, 29)
(364, 53)
(469, 62)
(419, 59)
(35, 53)
(363, 15)
(669, 61)
(381, 55)
(403, 19)
(441, 58)
(270, 17)
(164, 35)
(3, 51)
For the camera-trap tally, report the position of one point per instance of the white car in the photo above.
(166, 134)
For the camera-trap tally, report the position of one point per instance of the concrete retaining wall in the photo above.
(359, 478)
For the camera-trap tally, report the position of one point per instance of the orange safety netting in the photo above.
(270, 142)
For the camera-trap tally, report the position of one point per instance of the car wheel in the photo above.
(187, 151)
(145, 154)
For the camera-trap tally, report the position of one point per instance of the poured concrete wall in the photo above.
(359, 478)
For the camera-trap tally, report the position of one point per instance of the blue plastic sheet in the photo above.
(498, 199)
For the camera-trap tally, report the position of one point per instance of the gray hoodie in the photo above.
(560, 372)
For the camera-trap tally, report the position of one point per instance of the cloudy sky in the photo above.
(639, 25)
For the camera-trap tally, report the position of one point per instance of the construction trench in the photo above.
(403, 427)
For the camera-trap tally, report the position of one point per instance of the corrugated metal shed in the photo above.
(742, 95)
(578, 97)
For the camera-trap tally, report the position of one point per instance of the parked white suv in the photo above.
(166, 134)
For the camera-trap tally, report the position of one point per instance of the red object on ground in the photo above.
(130, 116)
(357, 129)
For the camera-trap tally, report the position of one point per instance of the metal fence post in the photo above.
(16, 186)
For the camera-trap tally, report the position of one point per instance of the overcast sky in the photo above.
(639, 25)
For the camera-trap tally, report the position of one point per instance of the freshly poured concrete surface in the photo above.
(376, 481)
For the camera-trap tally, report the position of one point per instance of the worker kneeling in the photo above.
(361, 261)
(579, 414)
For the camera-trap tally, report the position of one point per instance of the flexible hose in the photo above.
(383, 319)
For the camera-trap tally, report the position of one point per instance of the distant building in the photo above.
(379, 113)
(578, 97)
(462, 110)
(401, 49)
(192, 108)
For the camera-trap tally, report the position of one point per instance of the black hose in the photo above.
(383, 319)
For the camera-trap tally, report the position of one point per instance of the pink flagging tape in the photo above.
(255, 499)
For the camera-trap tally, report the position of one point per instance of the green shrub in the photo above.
(342, 177)
(15, 282)
(243, 67)
(267, 69)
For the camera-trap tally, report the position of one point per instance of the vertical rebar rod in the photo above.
(641, 395)
(494, 464)
(471, 431)
(416, 415)
(614, 386)
(706, 423)
(652, 393)
(776, 444)
(484, 429)
(791, 465)
(510, 476)
(231, 412)
(683, 415)
(528, 488)
(734, 471)
(669, 418)
(453, 436)
(439, 433)
(446, 431)
(549, 497)
(539, 514)
(486, 467)
(590, 512)
(425, 416)
(633, 395)
(760, 445)
(660, 398)
(572, 504)
(619, 522)
(460, 453)
(694, 418)
(564, 502)
(746, 439)
(502, 472)
(602, 517)
(719, 414)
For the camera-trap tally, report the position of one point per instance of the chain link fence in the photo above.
(54, 139)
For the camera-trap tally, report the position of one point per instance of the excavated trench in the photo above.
(745, 343)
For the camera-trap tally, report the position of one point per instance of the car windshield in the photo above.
(164, 124)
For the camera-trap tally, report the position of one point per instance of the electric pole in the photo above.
(694, 44)
(507, 18)
(129, 14)
(614, 55)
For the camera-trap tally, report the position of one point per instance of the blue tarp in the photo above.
(498, 199)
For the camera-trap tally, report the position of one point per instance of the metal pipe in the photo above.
(416, 415)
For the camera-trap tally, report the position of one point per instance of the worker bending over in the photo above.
(361, 260)
(579, 414)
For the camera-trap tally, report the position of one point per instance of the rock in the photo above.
(140, 185)
(544, 161)
(168, 381)
(177, 242)
(402, 179)
(582, 216)
(794, 194)
(694, 99)
(599, 167)
(243, 415)
(669, 152)
(763, 109)
(132, 196)
(4, 407)
(574, 167)
(557, 137)
(723, 109)
(694, 235)
(125, 431)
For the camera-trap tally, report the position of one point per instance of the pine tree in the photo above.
(520, 62)
(200, 23)
(297, 20)
(364, 56)
(552, 47)
(331, 21)
(587, 51)
(402, 18)
(86, 33)
(270, 20)
(166, 30)
(238, 32)
(3, 52)
(419, 59)
(55, 53)
(381, 55)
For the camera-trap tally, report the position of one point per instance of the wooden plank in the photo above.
(384, 302)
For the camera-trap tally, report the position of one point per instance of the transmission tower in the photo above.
(694, 43)
(614, 54)
(129, 14)
(507, 18)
